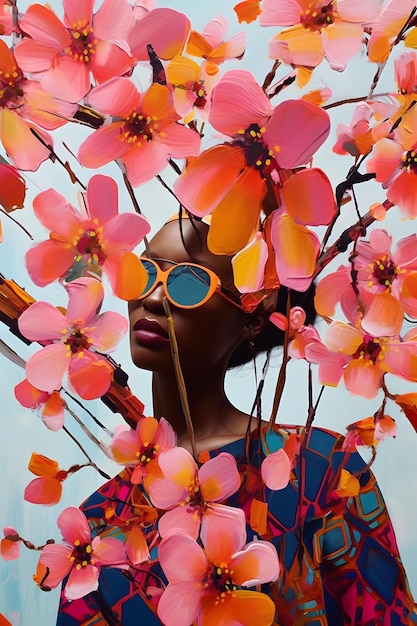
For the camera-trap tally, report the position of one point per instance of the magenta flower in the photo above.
(191, 495)
(80, 556)
(70, 341)
(88, 241)
(144, 133)
(209, 584)
(66, 53)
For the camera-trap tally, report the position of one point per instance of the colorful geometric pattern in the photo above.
(339, 558)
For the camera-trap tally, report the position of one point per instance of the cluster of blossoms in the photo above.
(267, 205)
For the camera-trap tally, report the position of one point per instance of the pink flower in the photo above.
(394, 162)
(141, 447)
(70, 341)
(372, 350)
(192, 87)
(229, 180)
(369, 431)
(359, 137)
(211, 45)
(80, 556)
(377, 269)
(66, 53)
(88, 241)
(320, 28)
(209, 584)
(50, 405)
(23, 105)
(10, 544)
(191, 495)
(145, 133)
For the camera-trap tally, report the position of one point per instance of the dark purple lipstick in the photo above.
(149, 332)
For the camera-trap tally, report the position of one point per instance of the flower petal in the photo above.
(183, 518)
(19, 142)
(308, 197)
(256, 564)
(109, 551)
(90, 375)
(362, 378)
(85, 296)
(223, 532)
(42, 322)
(109, 329)
(180, 603)
(276, 470)
(219, 478)
(43, 490)
(46, 368)
(237, 102)
(164, 29)
(48, 260)
(56, 557)
(74, 526)
(384, 316)
(279, 133)
(81, 582)
(171, 553)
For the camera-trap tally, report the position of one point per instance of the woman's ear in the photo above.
(255, 323)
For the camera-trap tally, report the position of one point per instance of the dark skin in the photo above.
(206, 336)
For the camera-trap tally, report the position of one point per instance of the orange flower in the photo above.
(47, 489)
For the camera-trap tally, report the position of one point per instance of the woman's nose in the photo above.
(154, 301)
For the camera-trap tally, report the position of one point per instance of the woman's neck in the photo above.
(216, 421)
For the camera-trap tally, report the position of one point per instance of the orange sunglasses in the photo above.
(186, 285)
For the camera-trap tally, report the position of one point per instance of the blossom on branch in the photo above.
(72, 341)
(88, 241)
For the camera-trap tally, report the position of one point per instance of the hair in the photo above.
(270, 335)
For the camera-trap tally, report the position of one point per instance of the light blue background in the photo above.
(22, 431)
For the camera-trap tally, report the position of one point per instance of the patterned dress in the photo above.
(339, 558)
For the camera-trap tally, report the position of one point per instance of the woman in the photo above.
(338, 556)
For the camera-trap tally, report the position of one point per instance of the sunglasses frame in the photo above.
(162, 278)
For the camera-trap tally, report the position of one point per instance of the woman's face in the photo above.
(206, 335)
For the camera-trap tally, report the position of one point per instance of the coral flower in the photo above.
(66, 53)
(190, 495)
(95, 238)
(10, 544)
(210, 45)
(80, 556)
(70, 339)
(229, 180)
(359, 137)
(145, 133)
(141, 447)
(394, 162)
(50, 405)
(24, 105)
(209, 585)
(377, 269)
(318, 28)
(247, 11)
(47, 488)
(369, 431)
(192, 87)
(371, 355)
(387, 27)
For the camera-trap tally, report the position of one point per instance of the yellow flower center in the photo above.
(83, 43)
(318, 16)
(138, 128)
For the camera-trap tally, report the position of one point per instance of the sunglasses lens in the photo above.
(152, 273)
(188, 285)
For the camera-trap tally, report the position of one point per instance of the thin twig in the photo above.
(136, 207)
(89, 434)
(93, 417)
(75, 440)
(54, 157)
(7, 214)
(180, 378)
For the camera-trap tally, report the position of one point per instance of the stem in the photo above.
(93, 417)
(75, 440)
(180, 378)
(16, 222)
(282, 372)
(54, 157)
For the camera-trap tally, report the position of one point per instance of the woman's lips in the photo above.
(149, 332)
